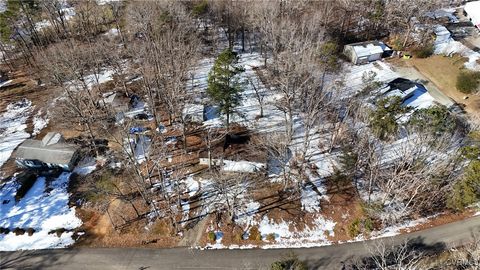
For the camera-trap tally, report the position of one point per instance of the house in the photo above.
(472, 11)
(50, 152)
(412, 94)
(365, 52)
(399, 87)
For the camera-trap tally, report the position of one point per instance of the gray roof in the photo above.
(56, 153)
(366, 48)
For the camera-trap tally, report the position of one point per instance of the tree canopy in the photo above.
(224, 86)
(383, 119)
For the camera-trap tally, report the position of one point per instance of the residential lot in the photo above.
(166, 124)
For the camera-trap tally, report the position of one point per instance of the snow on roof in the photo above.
(473, 11)
(242, 166)
(368, 48)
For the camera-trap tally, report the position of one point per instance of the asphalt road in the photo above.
(327, 257)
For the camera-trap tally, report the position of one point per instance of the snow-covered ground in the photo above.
(446, 45)
(93, 79)
(12, 127)
(249, 109)
(40, 121)
(242, 166)
(68, 14)
(44, 208)
(112, 32)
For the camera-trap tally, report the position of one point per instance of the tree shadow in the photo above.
(364, 258)
(35, 259)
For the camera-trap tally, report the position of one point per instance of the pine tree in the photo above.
(224, 87)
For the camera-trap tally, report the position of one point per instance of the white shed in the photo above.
(472, 10)
(365, 52)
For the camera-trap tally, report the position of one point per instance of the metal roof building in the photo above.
(50, 152)
(364, 52)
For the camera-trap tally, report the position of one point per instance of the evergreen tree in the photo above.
(224, 87)
(467, 190)
(435, 119)
(383, 120)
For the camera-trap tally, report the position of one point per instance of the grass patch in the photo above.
(19, 231)
(162, 228)
(468, 81)
(270, 237)
(354, 228)
(255, 234)
(103, 184)
(211, 236)
(423, 51)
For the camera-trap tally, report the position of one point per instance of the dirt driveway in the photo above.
(441, 72)
(407, 70)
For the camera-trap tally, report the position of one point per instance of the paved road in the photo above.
(327, 257)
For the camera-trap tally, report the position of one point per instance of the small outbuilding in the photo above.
(472, 11)
(193, 113)
(49, 153)
(365, 52)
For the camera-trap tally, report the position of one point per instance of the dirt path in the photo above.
(192, 237)
(104, 225)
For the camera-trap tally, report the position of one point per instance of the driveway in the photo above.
(413, 74)
(327, 257)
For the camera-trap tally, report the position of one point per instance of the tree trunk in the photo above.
(243, 38)
(228, 121)
(407, 35)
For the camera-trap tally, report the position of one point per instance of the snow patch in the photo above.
(39, 123)
(446, 45)
(12, 127)
(44, 208)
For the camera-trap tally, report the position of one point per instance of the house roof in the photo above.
(52, 149)
(368, 48)
(400, 87)
(473, 11)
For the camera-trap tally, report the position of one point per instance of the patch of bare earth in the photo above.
(343, 207)
(441, 219)
(112, 229)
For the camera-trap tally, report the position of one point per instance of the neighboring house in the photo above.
(399, 87)
(365, 52)
(50, 152)
(472, 11)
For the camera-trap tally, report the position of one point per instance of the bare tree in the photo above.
(276, 146)
(231, 189)
(386, 255)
